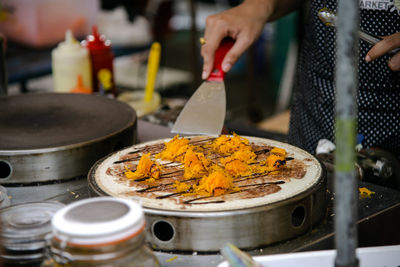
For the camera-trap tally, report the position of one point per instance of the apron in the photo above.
(378, 97)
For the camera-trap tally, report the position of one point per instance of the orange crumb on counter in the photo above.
(365, 192)
(171, 259)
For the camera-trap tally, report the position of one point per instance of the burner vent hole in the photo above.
(163, 231)
(298, 216)
(5, 169)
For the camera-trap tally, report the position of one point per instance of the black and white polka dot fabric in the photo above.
(313, 109)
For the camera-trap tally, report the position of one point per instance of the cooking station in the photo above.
(377, 225)
(51, 145)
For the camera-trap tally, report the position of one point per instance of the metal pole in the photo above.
(346, 196)
(3, 71)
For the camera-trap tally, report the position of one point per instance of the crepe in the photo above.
(301, 172)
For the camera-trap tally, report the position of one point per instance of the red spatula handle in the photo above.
(218, 74)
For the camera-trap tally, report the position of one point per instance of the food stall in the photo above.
(68, 147)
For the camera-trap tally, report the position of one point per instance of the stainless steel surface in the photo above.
(246, 228)
(346, 184)
(329, 18)
(47, 137)
(204, 113)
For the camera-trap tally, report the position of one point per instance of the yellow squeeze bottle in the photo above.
(69, 60)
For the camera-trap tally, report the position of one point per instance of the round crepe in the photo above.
(302, 172)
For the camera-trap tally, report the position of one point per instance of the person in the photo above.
(313, 106)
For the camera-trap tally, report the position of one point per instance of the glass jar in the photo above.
(4, 200)
(102, 231)
(25, 228)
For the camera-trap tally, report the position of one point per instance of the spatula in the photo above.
(204, 113)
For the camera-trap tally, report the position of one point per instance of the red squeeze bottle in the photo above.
(101, 57)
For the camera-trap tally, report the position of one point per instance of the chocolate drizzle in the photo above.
(251, 186)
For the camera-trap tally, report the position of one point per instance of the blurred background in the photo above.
(258, 87)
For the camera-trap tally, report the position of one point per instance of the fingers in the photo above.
(394, 62)
(215, 32)
(381, 48)
(241, 44)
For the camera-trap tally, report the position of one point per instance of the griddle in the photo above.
(187, 223)
(51, 136)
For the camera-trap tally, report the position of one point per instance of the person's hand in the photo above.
(243, 23)
(386, 45)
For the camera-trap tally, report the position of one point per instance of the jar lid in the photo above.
(98, 221)
(25, 226)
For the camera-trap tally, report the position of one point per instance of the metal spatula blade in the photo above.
(204, 113)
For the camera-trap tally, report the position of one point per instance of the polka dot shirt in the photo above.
(378, 97)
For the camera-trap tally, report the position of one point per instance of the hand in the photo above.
(243, 23)
(386, 45)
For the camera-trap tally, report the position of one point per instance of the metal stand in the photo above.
(345, 178)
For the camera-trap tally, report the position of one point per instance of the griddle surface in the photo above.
(38, 121)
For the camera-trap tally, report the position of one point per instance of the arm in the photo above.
(244, 24)
(386, 45)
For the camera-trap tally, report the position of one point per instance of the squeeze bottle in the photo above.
(101, 57)
(69, 60)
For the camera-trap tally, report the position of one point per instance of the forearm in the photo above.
(271, 10)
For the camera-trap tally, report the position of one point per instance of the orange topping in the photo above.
(195, 164)
(175, 149)
(216, 184)
(278, 151)
(226, 145)
(237, 168)
(146, 168)
(181, 187)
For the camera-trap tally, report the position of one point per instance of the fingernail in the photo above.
(226, 67)
(367, 58)
(204, 75)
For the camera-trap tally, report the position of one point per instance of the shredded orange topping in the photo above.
(278, 151)
(181, 187)
(209, 177)
(195, 164)
(215, 184)
(275, 161)
(237, 168)
(238, 164)
(175, 149)
(146, 168)
(226, 145)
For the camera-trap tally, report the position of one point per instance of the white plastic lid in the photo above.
(98, 221)
(69, 47)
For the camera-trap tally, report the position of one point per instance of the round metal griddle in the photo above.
(50, 136)
(272, 219)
